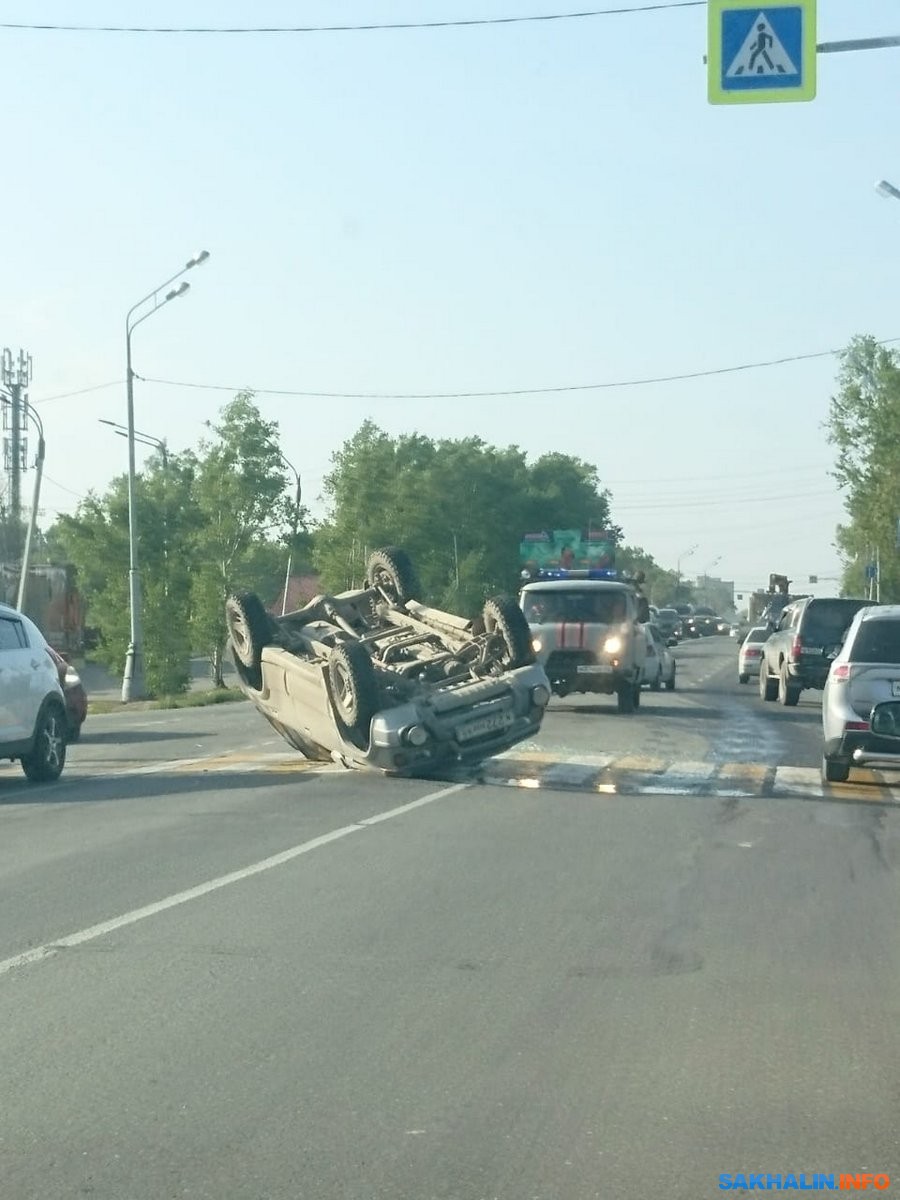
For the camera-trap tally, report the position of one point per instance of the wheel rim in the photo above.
(343, 688)
(240, 635)
(384, 582)
(53, 743)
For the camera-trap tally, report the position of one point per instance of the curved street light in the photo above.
(133, 680)
(684, 554)
(297, 496)
(35, 502)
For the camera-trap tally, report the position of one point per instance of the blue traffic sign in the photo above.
(871, 571)
(762, 52)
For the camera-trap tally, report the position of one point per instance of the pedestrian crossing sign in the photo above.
(761, 53)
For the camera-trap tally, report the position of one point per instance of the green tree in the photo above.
(240, 543)
(459, 507)
(864, 427)
(95, 539)
(660, 586)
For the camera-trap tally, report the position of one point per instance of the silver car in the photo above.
(750, 653)
(374, 678)
(864, 675)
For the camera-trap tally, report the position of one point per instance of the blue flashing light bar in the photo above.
(589, 573)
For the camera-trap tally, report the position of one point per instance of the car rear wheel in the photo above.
(835, 771)
(45, 762)
(504, 620)
(787, 695)
(390, 569)
(743, 678)
(354, 690)
(250, 630)
(670, 683)
(625, 698)
(768, 687)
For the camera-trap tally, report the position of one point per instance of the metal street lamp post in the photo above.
(684, 554)
(133, 680)
(705, 577)
(35, 503)
(296, 524)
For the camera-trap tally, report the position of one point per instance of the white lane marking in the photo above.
(38, 953)
(572, 774)
(797, 781)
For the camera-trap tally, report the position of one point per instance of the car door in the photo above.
(16, 704)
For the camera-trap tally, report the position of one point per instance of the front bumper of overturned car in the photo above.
(457, 727)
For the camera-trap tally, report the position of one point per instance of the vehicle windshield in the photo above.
(595, 607)
(826, 621)
(877, 641)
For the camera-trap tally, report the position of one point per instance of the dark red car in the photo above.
(76, 696)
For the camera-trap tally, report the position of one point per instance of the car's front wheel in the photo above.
(670, 683)
(45, 761)
(354, 688)
(505, 621)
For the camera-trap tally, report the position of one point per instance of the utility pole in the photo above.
(15, 376)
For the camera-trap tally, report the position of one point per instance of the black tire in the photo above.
(503, 617)
(656, 685)
(250, 629)
(637, 696)
(768, 687)
(625, 699)
(73, 733)
(787, 695)
(835, 771)
(391, 570)
(743, 678)
(354, 690)
(670, 683)
(45, 762)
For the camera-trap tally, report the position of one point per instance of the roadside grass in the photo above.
(188, 700)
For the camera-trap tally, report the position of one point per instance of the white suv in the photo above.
(32, 703)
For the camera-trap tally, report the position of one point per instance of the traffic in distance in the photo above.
(376, 678)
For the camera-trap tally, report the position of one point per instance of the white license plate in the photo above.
(601, 669)
(895, 688)
(485, 725)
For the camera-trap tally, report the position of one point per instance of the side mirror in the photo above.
(643, 610)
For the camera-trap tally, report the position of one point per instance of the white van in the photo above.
(588, 636)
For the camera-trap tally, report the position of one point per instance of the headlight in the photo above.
(540, 696)
(537, 645)
(612, 645)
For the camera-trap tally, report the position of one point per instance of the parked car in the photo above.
(32, 704)
(374, 678)
(750, 653)
(798, 654)
(659, 664)
(864, 675)
(75, 695)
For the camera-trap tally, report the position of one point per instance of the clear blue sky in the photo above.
(457, 209)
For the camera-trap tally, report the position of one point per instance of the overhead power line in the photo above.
(526, 391)
(449, 23)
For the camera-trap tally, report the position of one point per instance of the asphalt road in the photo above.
(227, 976)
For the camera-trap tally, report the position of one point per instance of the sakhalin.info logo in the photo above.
(815, 1182)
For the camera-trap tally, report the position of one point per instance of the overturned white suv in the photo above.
(375, 678)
